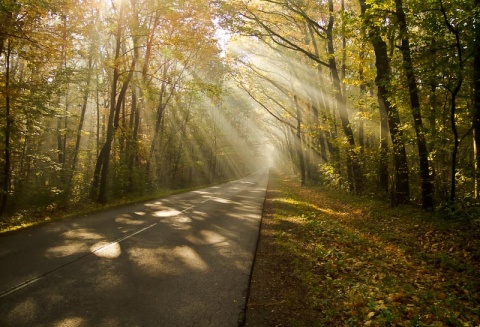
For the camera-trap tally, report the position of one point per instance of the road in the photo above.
(183, 260)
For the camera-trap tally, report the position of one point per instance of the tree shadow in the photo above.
(180, 261)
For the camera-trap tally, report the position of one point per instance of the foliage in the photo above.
(289, 49)
(134, 95)
(140, 78)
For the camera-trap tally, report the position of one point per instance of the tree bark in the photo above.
(100, 180)
(401, 191)
(355, 178)
(299, 143)
(476, 107)
(86, 94)
(423, 153)
(113, 123)
(383, 171)
(62, 120)
(453, 103)
(319, 101)
(133, 146)
(8, 126)
(162, 105)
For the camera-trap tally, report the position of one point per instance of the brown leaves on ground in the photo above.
(328, 259)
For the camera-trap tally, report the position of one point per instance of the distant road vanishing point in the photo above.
(183, 260)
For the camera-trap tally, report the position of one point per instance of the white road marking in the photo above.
(37, 278)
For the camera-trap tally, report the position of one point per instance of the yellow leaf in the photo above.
(380, 306)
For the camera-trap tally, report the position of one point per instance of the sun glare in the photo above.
(106, 250)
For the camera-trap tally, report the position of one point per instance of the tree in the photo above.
(8, 119)
(427, 183)
(25, 65)
(382, 62)
(454, 91)
(309, 23)
(100, 181)
(476, 86)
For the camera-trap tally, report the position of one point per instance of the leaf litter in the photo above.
(331, 259)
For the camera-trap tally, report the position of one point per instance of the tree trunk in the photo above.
(318, 101)
(456, 143)
(299, 143)
(8, 126)
(355, 179)
(82, 119)
(476, 87)
(99, 189)
(382, 62)
(423, 153)
(112, 126)
(383, 171)
(361, 109)
(162, 105)
(133, 147)
(402, 186)
(62, 120)
(453, 103)
(101, 170)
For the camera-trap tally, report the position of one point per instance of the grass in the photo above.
(360, 262)
(38, 216)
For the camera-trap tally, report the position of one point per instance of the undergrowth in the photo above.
(364, 263)
(41, 215)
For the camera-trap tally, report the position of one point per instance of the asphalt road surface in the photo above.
(183, 260)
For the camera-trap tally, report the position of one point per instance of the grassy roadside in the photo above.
(329, 259)
(39, 216)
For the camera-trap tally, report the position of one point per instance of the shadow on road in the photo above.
(179, 261)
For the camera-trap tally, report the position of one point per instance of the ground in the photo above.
(276, 294)
(329, 259)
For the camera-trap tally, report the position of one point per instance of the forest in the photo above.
(105, 99)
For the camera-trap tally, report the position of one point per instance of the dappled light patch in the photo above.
(106, 250)
(178, 221)
(154, 204)
(199, 215)
(166, 213)
(297, 203)
(128, 221)
(71, 322)
(82, 234)
(154, 263)
(190, 258)
(246, 215)
(74, 243)
(68, 248)
(212, 237)
(202, 192)
(167, 260)
(329, 211)
(220, 200)
(24, 312)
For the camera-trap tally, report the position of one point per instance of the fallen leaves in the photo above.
(364, 263)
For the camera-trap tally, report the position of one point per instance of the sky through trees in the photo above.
(104, 99)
